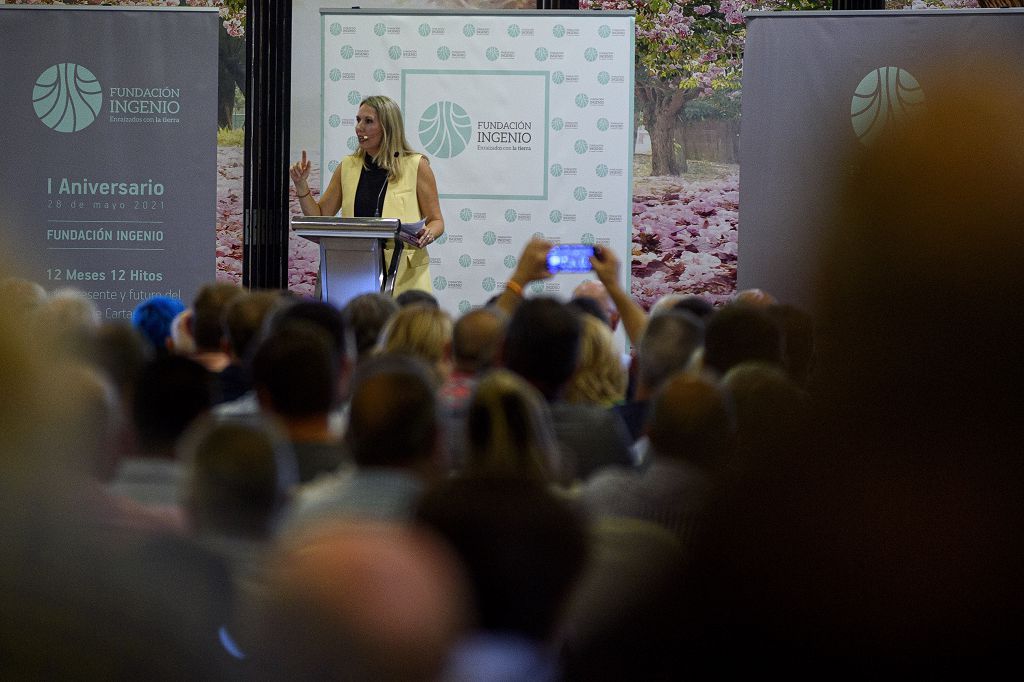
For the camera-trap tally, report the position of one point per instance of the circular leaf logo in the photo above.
(444, 129)
(604, 30)
(394, 52)
(335, 29)
(379, 75)
(603, 78)
(590, 54)
(511, 215)
(354, 97)
(442, 239)
(513, 31)
(67, 97)
(537, 288)
(353, 143)
(440, 283)
(601, 170)
(490, 238)
(582, 100)
(510, 261)
(579, 193)
(469, 30)
(424, 30)
(491, 54)
(882, 103)
(555, 216)
(541, 53)
(558, 30)
(443, 53)
(332, 166)
(347, 51)
(465, 306)
(488, 284)
(602, 124)
(335, 75)
(557, 123)
(600, 217)
(580, 146)
(465, 260)
(587, 238)
(334, 120)
(380, 29)
(557, 77)
(538, 235)
(556, 170)
(465, 215)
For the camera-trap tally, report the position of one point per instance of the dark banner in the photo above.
(816, 87)
(108, 169)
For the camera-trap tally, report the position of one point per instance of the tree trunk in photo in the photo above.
(661, 115)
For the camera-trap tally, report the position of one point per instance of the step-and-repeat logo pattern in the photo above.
(526, 120)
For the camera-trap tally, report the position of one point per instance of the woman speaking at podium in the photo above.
(383, 178)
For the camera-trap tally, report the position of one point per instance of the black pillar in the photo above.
(268, 59)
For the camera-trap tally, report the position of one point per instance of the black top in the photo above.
(371, 190)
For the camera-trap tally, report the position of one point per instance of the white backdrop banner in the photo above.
(527, 119)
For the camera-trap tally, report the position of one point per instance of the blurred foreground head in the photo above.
(897, 531)
(362, 602)
(919, 340)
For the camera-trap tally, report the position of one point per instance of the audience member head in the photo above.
(542, 344)
(668, 344)
(366, 316)
(509, 429)
(758, 298)
(120, 353)
(770, 412)
(696, 305)
(600, 378)
(239, 475)
(475, 339)
(422, 332)
(692, 420)
(295, 371)
(244, 317)
(416, 297)
(21, 296)
(739, 333)
(182, 342)
(86, 421)
(522, 547)
(361, 602)
(67, 320)
(324, 315)
(170, 393)
(393, 414)
(153, 318)
(208, 308)
(589, 306)
(595, 291)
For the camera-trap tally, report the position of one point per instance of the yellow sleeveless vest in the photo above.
(399, 202)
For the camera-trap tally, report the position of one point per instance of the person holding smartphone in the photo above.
(383, 178)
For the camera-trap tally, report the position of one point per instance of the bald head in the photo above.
(363, 601)
(475, 339)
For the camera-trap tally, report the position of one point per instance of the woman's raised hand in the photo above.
(299, 171)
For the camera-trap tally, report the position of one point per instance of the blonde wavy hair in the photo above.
(508, 429)
(393, 146)
(600, 378)
(422, 331)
